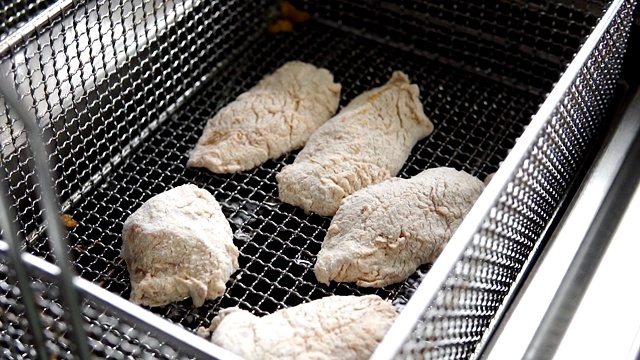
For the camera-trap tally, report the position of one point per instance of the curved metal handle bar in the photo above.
(10, 235)
(54, 229)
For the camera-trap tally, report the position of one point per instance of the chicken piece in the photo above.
(335, 327)
(274, 117)
(366, 143)
(381, 234)
(178, 244)
(488, 179)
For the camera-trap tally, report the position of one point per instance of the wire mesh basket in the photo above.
(118, 91)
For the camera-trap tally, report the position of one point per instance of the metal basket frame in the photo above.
(536, 173)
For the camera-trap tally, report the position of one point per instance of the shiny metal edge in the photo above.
(32, 25)
(634, 351)
(585, 267)
(611, 282)
(446, 262)
(520, 324)
(159, 327)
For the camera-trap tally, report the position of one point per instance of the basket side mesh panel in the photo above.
(123, 88)
(455, 320)
(109, 337)
(103, 74)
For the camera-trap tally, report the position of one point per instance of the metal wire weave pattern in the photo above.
(123, 89)
(108, 335)
(524, 44)
(16, 12)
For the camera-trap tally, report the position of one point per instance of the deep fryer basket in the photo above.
(121, 90)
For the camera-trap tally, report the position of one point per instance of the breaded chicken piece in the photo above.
(366, 143)
(381, 234)
(335, 327)
(178, 244)
(276, 116)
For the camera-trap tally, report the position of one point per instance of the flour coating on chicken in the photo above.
(334, 327)
(381, 234)
(272, 118)
(366, 143)
(178, 244)
(488, 178)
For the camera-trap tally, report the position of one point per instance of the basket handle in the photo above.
(69, 295)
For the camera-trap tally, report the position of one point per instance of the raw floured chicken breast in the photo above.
(381, 234)
(178, 244)
(366, 143)
(274, 117)
(335, 327)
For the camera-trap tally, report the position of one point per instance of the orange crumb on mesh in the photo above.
(68, 221)
(289, 12)
(280, 26)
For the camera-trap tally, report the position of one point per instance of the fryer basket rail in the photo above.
(121, 90)
(14, 13)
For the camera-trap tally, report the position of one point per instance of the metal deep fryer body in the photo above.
(103, 99)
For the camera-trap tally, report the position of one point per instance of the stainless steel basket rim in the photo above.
(30, 27)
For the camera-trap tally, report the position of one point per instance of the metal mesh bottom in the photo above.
(476, 122)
